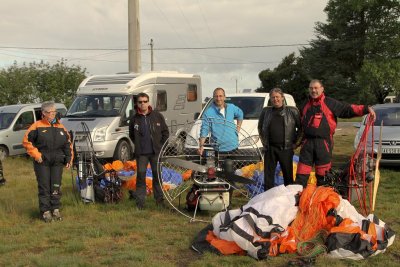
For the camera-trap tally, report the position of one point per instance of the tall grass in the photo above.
(122, 235)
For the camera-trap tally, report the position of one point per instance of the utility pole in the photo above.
(134, 36)
(236, 82)
(151, 54)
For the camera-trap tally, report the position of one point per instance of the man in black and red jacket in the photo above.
(319, 119)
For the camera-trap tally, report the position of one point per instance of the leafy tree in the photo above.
(38, 82)
(356, 31)
(380, 78)
(288, 75)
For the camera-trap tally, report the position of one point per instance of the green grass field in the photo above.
(122, 235)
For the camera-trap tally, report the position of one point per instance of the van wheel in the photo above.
(122, 151)
(3, 152)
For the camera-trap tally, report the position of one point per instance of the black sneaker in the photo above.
(2, 181)
(161, 204)
(132, 195)
(46, 216)
(140, 206)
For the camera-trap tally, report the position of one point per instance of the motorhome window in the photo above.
(161, 104)
(96, 106)
(192, 93)
(6, 119)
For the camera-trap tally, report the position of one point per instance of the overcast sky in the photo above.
(103, 24)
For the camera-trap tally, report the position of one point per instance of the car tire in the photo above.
(123, 151)
(3, 151)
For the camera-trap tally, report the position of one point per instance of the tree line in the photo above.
(356, 54)
(39, 81)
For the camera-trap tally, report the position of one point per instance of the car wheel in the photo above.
(123, 151)
(3, 152)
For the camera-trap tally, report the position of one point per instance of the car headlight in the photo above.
(100, 134)
(249, 141)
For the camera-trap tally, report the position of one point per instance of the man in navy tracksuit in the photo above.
(319, 120)
(148, 131)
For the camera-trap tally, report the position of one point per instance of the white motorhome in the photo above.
(15, 120)
(105, 104)
(251, 104)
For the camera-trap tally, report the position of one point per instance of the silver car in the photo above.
(390, 115)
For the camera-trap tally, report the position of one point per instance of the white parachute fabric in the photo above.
(265, 220)
(267, 213)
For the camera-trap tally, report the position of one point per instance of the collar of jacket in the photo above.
(318, 100)
(48, 123)
(217, 108)
(141, 113)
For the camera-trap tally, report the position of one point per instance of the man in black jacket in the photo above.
(148, 131)
(279, 128)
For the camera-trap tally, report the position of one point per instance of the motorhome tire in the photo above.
(123, 151)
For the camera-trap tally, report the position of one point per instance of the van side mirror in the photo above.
(196, 115)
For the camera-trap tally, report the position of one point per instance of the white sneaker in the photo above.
(47, 216)
(57, 215)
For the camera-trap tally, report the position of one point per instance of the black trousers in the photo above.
(142, 162)
(48, 177)
(285, 158)
(318, 152)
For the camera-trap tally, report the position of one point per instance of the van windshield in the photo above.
(96, 106)
(6, 119)
(251, 106)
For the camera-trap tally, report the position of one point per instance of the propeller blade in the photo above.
(234, 178)
(187, 164)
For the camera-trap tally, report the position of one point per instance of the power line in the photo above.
(160, 49)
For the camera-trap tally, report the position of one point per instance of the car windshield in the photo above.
(96, 106)
(6, 119)
(389, 115)
(251, 106)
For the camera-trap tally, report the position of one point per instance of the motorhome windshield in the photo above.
(6, 120)
(251, 106)
(96, 106)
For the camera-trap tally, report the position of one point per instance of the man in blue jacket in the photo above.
(219, 120)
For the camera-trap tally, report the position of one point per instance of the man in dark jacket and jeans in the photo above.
(148, 131)
(279, 128)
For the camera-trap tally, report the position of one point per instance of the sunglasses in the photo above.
(144, 101)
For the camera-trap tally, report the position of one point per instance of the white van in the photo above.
(251, 104)
(105, 104)
(15, 120)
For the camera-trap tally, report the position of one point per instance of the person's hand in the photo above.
(68, 165)
(39, 160)
(372, 113)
